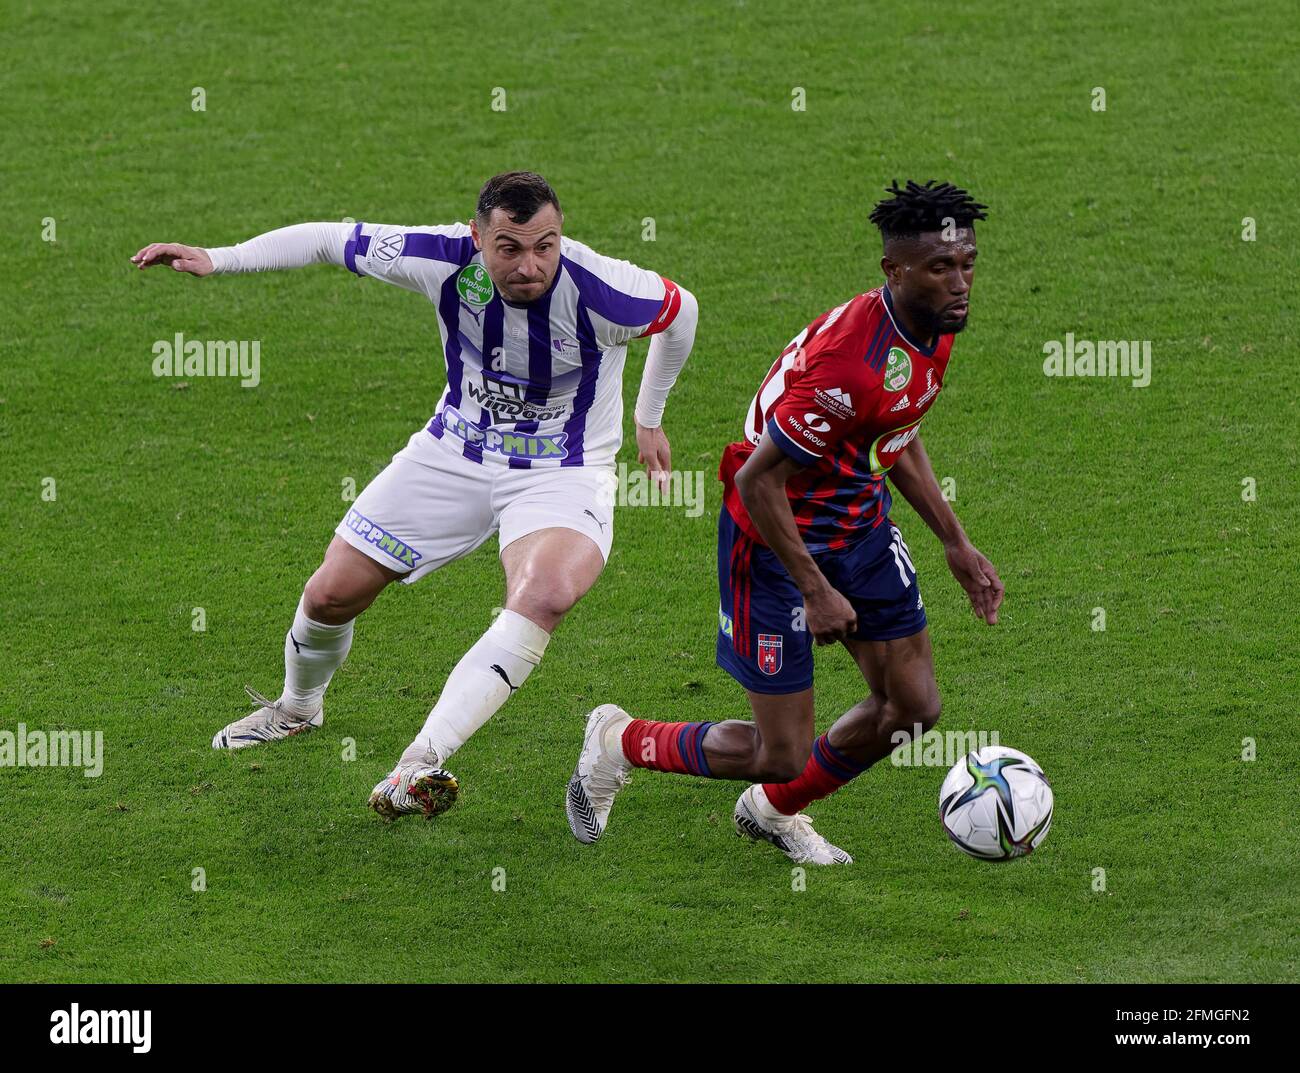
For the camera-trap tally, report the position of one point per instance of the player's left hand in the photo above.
(653, 449)
(977, 577)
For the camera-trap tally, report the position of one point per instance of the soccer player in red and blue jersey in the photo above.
(807, 552)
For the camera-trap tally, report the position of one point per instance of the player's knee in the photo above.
(325, 601)
(926, 713)
(908, 716)
(557, 603)
(545, 605)
(932, 711)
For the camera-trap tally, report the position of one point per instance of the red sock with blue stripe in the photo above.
(675, 747)
(826, 771)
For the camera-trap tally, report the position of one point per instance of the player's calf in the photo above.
(773, 748)
(317, 643)
(874, 728)
(615, 743)
(866, 733)
(779, 763)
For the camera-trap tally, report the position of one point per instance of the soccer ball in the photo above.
(996, 804)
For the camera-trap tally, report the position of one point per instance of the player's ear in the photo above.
(890, 269)
(473, 232)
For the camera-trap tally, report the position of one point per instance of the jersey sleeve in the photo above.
(414, 258)
(295, 246)
(624, 300)
(820, 408)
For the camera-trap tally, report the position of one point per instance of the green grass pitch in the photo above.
(1125, 223)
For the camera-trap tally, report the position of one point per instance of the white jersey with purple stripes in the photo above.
(535, 385)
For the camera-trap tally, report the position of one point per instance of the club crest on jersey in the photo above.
(898, 370)
(769, 652)
(474, 285)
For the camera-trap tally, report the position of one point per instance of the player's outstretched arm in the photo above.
(761, 483)
(913, 475)
(287, 247)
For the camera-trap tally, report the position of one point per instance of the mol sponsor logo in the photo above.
(901, 440)
(886, 449)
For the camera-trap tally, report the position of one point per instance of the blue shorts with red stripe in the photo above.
(762, 642)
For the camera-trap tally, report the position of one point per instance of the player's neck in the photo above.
(923, 338)
(926, 339)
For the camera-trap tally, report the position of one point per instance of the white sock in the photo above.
(480, 683)
(765, 807)
(313, 651)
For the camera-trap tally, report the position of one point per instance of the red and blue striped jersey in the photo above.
(845, 398)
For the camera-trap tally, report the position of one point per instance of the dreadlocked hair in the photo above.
(915, 208)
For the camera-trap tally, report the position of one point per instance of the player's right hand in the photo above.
(189, 259)
(829, 616)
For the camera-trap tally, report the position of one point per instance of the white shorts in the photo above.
(431, 505)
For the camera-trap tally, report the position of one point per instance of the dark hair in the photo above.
(915, 208)
(520, 193)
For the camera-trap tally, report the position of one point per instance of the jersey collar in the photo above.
(902, 332)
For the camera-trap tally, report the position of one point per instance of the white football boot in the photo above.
(792, 835)
(601, 772)
(421, 787)
(269, 723)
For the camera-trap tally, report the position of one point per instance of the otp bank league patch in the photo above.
(769, 652)
(382, 539)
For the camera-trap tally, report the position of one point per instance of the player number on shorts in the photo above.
(901, 557)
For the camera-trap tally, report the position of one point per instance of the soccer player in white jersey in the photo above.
(534, 328)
